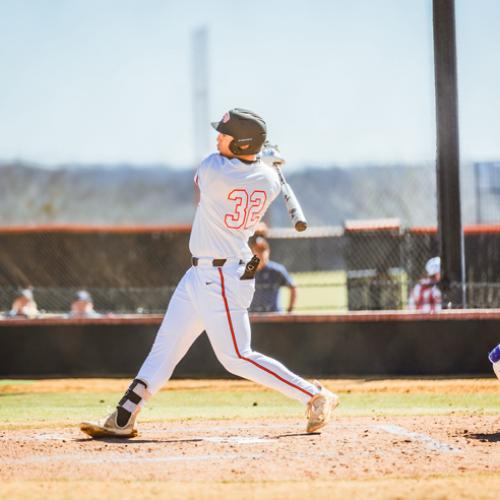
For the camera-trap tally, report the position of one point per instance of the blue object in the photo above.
(494, 355)
(268, 282)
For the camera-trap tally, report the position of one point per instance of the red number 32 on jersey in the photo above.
(248, 208)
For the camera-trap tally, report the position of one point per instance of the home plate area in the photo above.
(264, 450)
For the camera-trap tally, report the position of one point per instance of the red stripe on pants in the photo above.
(230, 321)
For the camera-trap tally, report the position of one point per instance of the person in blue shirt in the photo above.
(270, 277)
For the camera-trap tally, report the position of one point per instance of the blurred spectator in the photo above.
(426, 295)
(83, 306)
(24, 305)
(270, 277)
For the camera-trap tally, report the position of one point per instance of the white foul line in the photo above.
(431, 444)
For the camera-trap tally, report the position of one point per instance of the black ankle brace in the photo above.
(122, 416)
(129, 402)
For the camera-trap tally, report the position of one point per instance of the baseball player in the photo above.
(426, 295)
(235, 188)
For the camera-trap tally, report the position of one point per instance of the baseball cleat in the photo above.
(109, 427)
(319, 408)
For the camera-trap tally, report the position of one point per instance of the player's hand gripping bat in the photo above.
(271, 156)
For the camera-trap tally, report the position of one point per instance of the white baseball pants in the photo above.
(214, 299)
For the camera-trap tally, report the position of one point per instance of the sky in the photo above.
(339, 82)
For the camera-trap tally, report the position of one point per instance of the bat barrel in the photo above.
(300, 226)
(292, 204)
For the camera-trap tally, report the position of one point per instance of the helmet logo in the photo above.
(226, 118)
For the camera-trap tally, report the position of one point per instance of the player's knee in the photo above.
(232, 363)
(237, 364)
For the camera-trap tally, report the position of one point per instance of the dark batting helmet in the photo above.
(247, 129)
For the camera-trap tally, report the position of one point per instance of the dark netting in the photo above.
(373, 265)
(124, 271)
(317, 249)
(487, 192)
(315, 258)
(418, 246)
(482, 261)
(482, 251)
(367, 265)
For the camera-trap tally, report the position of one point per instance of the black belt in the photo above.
(215, 262)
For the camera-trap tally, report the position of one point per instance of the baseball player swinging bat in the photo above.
(216, 291)
(272, 157)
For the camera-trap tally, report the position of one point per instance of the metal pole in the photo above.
(200, 77)
(477, 182)
(450, 232)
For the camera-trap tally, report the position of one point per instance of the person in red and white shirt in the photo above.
(426, 295)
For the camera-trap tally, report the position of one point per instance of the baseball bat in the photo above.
(292, 203)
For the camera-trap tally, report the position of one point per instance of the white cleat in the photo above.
(320, 407)
(108, 427)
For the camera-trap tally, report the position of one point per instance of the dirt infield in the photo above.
(439, 456)
(219, 450)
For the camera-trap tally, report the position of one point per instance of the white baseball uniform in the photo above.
(234, 195)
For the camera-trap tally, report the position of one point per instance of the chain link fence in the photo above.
(382, 232)
(365, 265)
(124, 270)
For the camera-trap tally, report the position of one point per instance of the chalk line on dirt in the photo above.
(238, 439)
(209, 439)
(430, 443)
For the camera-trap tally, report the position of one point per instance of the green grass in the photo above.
(68, 408)
(322, 291)
(15, 382)
(327, 291)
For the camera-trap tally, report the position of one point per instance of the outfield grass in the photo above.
(68, 407)
(325, 290)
